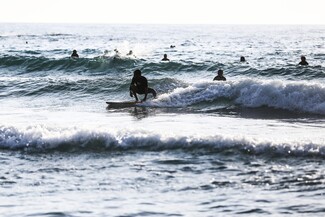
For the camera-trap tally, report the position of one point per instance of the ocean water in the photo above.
(253, 145)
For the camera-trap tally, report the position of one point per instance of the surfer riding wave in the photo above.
(139, 85)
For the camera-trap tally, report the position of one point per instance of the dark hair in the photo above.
(220, 72)
(137, 72)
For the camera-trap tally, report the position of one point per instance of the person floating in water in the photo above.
(220, 76)
(117, 54)
(74, 54)
(242, 59)
(303, 61)
(131, 54)
(165, 58)
(139, 85)
(116, 51)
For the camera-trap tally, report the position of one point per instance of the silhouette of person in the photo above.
(117, 54)
(220, 76)
(303, 61)
(242, 59)
(74, 54)
(130, 53)
(139, 85)
(165, 58)
(116, 51)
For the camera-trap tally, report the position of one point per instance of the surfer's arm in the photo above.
(131, 86)
(132, 82)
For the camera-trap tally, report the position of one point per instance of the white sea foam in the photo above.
(291, 95)
(41, 138)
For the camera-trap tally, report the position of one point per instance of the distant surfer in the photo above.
(117, 53)
(131, 54)
(139, 85)
(220, 76)
(242, 59)
(74, 54)
(303, 61)
(165, 58)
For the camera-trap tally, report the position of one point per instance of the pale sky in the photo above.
(164, 11)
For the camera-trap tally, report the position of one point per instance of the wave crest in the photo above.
(299, 97)
(42, 139)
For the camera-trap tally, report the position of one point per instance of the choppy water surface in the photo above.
(253, 145)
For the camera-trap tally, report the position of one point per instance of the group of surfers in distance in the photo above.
(76, 55)
(139, 83)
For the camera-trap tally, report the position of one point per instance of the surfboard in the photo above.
(124, 104)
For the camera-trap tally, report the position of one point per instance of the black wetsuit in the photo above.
(141, 83)
(219, 78)
(303, 63)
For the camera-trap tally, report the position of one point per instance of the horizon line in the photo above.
(221, 24)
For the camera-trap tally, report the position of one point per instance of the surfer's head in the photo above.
(303, 58)
(137, 73)
(220, 72)
(242, 59)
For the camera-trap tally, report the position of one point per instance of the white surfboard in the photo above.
(124, 104)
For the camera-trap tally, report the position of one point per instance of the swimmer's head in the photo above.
(303, 58)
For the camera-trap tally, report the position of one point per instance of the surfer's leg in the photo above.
(133, 92)
(154, 93)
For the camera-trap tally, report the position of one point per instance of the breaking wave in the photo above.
(42, 139)
(301, 97)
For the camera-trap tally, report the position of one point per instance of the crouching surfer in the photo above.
(139, 85)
